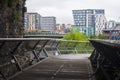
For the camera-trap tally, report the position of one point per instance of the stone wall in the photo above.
(11, 18)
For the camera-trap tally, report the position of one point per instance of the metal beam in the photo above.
(14, 57)
(34, 52)
(3, 76)
(2, 44)
(43, 46)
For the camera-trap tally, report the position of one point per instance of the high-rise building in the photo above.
(48, 23)
(32, 21)
(90, 21)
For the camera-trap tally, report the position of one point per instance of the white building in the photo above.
(32, 21)
(111, 24)
(100, 23)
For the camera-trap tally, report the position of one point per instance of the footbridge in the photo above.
(55, 59)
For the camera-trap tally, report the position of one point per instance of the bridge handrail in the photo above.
(44, 34)
(106, 58)
(32, 39)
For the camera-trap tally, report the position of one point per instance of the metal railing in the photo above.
(105, 59)
(43, 34)
(16, 54)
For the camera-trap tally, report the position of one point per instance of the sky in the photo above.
(62, 9)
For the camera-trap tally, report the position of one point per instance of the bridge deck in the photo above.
(59, 68)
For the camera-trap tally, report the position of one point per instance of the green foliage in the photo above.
(75, 35)
(100, 36)
(81, 47)
(93, 36)
(78, 47)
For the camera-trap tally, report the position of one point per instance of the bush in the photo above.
(75, 35)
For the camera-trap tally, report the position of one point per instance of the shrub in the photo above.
(75, 35)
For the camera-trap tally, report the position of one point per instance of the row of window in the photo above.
(82, 11)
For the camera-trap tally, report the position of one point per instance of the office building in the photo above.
(90, 21)
(113, 32)
(111, 24)
(32, 21)
(48, 23)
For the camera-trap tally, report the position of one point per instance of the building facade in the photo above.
(113, 32)
(32, 21)
(111, 24)
(63, 28)
(89, 21)
(48, 24)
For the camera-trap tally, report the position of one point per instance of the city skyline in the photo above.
(62, 9)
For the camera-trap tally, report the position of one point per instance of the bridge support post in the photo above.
(14, 57)
(34, 52)
(3, 76)
(45, 51)
(17, 63)
(57, 47)
(42, 47)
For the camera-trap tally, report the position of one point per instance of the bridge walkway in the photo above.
(71, 67)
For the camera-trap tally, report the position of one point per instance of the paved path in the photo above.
(65, 67)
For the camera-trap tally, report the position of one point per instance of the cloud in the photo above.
(62, 15)
(62, 9)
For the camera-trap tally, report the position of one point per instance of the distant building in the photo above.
(32, 21)
(59, 28)
(113, 32)
(111, 24)
(63, 28)
(117, 24)
(90, 21)
(69, 26)
(48, 24)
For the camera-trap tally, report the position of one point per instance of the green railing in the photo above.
(43, 34)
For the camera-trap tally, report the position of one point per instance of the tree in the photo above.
(75, 35)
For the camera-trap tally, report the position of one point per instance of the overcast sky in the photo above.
(62, 9)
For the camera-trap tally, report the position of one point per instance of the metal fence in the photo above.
(75, 47)
(16, 54)
(43, 34)
(105, 59)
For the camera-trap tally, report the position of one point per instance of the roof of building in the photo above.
(31, 13)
